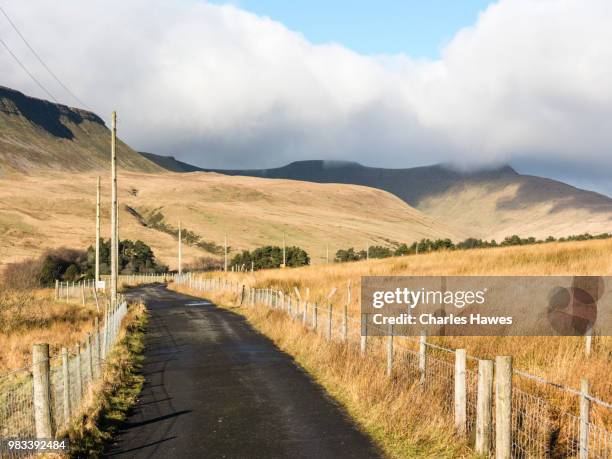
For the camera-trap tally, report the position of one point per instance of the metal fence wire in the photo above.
(538, 428)
(71, 377)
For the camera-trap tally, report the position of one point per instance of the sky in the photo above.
(414, 27)
(252, 84)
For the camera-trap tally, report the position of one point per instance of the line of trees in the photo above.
(67, 264)
(429, 245)
(269, 257)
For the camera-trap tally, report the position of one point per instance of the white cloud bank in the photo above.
(531, 80)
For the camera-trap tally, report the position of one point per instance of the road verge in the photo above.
(116, 393)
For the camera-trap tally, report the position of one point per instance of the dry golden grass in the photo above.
(29, 317)
(59, 210)
(558, 359)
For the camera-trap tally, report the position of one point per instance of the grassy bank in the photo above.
(115, 393)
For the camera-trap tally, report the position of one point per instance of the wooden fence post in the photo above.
(66, 384)
(390, 352)
(329, 322)
(422, 357)
(345, 323)
(503, 407)
(56, 289)
(460, 391)
(363, 342)
(79, 373)
(97, 346)
(42, 391)
(90, 368)
(484, 405)
(314, 316)
(585, 408)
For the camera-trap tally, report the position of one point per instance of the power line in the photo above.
(40, 85)
(55, 77)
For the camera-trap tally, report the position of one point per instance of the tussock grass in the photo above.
(33, 316)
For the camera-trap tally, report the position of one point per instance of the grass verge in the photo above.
(115, 394)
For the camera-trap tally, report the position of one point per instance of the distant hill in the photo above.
(36, 134)
(52, 210)
(487, 203)
(170, 163)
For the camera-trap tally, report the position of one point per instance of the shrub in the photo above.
(270, 257)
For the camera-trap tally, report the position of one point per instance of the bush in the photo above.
(205, 264)
(269, 257)
(23, 275)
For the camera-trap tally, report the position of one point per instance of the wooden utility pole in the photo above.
(180, 249)
(225, 254)
(97, 234)
(114, 242)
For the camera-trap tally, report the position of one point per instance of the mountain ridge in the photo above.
(487, 203)
(36, 134)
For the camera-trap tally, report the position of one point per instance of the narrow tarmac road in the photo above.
(216, 388)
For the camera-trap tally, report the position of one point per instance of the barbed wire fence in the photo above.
(505, 411)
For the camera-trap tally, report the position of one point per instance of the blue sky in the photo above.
(417, 28)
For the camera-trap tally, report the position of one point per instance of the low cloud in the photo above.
(221, 87)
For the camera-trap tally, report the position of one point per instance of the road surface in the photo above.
(215, 387)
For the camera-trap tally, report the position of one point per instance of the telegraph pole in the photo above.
(114, 242)
(225, 254)
(97, 234)
(284, 251)
(180, 250)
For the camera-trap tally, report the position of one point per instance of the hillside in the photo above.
(37, 135)
(486, 204)
(252, 211)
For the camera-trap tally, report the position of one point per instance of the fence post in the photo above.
(329, 322)
(503, 407)
(363, 343)
(89, 359)
(422, 357)
(460, 391)
(83, 294)
(79, 374)
(345, 323)
(345, 315)
(484, 407)
(585, 408)
(390, 352)
(97, 343)
(42, 391)
(314, 316)
(56, 289)
(66, 380)
(242, 295)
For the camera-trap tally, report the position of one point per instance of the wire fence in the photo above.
(535, 426)
(87, 290)
(41, 400)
